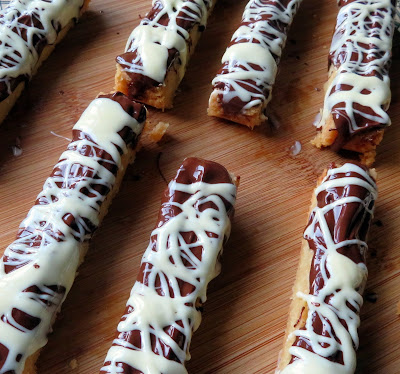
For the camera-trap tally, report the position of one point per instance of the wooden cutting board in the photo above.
(245, 315)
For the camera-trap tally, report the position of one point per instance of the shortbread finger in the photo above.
(158, 51)
(243, 85)
(37, 270)
(357, 93)
(164, 309)
(321, 335)
(29, 31)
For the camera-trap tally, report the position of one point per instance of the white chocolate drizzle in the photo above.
(338, 302)
(360, 52)
(18, 41)
(152, 39)
(37, 270)
(250, 62)
(169, 260)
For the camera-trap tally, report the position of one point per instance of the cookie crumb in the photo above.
(17, 149)
(73, 364)
(295, 149)
(158, 131)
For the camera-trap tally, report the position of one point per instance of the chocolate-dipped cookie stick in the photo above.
(158, 50)
(29, 31)
(357, 93)
(321, 335)
(163, 311)
(243, 85)
(37, 270)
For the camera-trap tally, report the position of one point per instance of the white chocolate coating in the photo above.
(151, 40)
(150, 312)
(48, 249)
(18, 52)
(343, 284)
(364, 28)
(258, 41)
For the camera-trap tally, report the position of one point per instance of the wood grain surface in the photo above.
(245, 315)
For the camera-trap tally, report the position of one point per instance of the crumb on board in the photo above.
(16, 148)
(158, 131)
(73, 364)
(295, 149)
